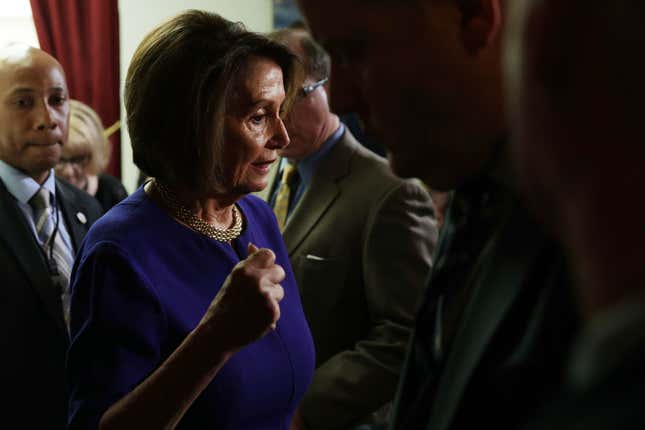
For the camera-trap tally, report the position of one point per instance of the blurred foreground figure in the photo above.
(576, 97)
(494, 327)
(361, 241)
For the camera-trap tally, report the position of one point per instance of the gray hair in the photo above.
(315, 61)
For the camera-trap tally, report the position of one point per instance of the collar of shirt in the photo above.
(307, 167)
(23, 187)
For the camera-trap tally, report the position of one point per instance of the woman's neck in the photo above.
(214, 210)
(216, 213)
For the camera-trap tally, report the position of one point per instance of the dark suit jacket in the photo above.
(34, 340)
(110, 191)
(606, 373)
(360, 241)
(509, 347)
(615, 402)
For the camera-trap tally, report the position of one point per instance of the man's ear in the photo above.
(481, 23)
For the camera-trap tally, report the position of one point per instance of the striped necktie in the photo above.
(59, 257)
(281, 206)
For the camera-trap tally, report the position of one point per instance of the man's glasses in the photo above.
(308, 89)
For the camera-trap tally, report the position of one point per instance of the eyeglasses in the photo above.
(79, 160)
(308, 89)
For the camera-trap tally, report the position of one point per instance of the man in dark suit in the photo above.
(576, 101)
(494, 327)
(360, 241)
(42, 223)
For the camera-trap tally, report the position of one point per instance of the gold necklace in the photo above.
(187, 216)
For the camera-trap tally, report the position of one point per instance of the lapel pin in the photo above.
(81, 217)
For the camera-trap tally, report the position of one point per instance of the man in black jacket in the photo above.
(42, 222)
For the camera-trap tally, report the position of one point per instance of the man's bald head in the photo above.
(20, 54)
(34, 110)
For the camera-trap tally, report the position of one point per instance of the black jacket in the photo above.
(33, 337)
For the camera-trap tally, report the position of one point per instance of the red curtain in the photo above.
(83, 35)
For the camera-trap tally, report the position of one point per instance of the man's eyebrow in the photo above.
(23, 90)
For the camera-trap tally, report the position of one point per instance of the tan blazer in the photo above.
(360, 242)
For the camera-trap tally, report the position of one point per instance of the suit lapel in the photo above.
(18, 235)
(308, 213)
(74, 215)
(322, 192)
(502, 282)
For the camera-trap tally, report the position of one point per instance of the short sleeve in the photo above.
(117, 329)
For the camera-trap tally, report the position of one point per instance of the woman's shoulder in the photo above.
(126, 221)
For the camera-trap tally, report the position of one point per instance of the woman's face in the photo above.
(72, 164)
(253, 129)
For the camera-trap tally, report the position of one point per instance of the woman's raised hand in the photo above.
(248, 304)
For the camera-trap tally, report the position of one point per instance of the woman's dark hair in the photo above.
(176, 92)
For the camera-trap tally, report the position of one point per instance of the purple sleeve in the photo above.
(117, 328)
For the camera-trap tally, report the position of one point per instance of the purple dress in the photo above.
(142, 282)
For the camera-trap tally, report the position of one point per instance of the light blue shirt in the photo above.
(23, 188)
(307, 166)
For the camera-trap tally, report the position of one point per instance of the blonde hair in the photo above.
(86, 132)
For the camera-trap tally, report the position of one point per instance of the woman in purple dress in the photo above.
(185, 312)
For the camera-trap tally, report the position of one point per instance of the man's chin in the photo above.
(38, 171)
(46, 163)
(44, 155)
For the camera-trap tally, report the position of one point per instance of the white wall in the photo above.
(18, 29)
(16, 23)
(137, 18)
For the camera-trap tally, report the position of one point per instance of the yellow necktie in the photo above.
(281, 207)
